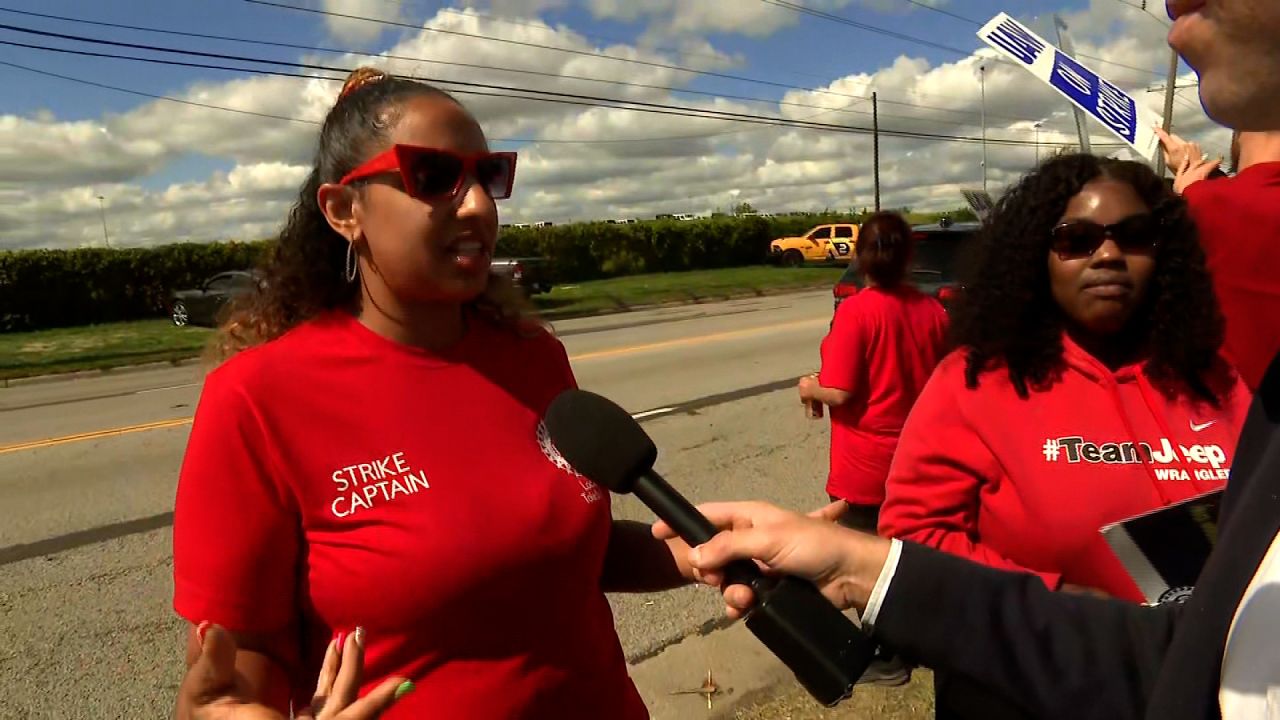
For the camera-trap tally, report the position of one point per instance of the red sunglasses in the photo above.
(435, 173)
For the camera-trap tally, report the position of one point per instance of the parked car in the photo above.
(937, 265)
(532, 274)
(204, 305)
(824, 243)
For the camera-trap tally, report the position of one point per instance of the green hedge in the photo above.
(58, 288)
(590, 251)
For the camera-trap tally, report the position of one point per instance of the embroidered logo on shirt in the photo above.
(1175, 459)
(363, 485)
(1197, 427)
(589, 490)
(1175, 595)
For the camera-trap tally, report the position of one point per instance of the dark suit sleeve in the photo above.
(1053, 653)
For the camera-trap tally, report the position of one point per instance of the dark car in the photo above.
(937, 262)
(532, 274)
(203, 305)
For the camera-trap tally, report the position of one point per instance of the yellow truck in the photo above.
(824, 243)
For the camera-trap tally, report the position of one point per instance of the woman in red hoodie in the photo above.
(1087, 388)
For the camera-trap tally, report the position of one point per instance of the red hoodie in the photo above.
(1239, 221)
(1026, 484)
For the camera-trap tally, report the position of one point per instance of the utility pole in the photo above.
(875, 143)
(103, 207)
(982, 77)
(1169, 90)
(1082, 125)
(1038, 126)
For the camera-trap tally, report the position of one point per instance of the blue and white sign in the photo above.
(1087, 90)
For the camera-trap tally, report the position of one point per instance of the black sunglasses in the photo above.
(1082, 238)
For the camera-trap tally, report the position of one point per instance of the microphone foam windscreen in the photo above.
(599, 439)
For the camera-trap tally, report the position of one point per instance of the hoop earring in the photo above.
(353, 267)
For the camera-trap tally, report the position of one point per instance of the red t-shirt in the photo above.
(1239, 221)
(882, 347)
(1026, 484)
(336, 479)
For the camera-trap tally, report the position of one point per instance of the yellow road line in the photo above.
(111, 432)
(699, 340)
(596, 355)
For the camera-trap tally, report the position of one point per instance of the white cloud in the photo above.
(247, 203)
(590, 163)
(355, 30)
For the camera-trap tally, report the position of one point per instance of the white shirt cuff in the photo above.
(882, 585)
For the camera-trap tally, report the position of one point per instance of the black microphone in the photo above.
(823, 648)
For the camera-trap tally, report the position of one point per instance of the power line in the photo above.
(920, 41)
(343, 51)
(538, 73)
(154, 96)
(406, 58)
(240, 111)
(862, 26)
(347, 51)
(551, 48)
(591, 54)
(948, 13)
(472, 12)
(485, 90)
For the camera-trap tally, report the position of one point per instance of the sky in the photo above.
(169, 153)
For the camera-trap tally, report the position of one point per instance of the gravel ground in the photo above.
(913, 701)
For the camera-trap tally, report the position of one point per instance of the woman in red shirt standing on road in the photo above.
(883, 344)
(373, 457)
(1088, 388)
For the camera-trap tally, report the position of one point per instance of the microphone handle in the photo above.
(802, 628)
(693, 527)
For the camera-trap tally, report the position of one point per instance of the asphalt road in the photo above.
(88, 469)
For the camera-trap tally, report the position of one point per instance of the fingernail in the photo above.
(201, 629)
(695, 556)
(405, 688)
(340, 639)
(360, 637)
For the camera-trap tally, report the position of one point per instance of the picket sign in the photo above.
(1084, 88)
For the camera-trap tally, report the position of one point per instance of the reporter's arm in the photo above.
(1056, 654)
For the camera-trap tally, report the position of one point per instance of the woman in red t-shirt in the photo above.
(883, 344)
(1088, 388)
(373, 457)
(882, 347)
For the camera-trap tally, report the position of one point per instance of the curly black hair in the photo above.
(1008, 316)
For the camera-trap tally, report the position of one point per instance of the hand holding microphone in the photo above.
(822, 647)
(843, 564)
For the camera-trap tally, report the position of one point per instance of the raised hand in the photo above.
(214, 690)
